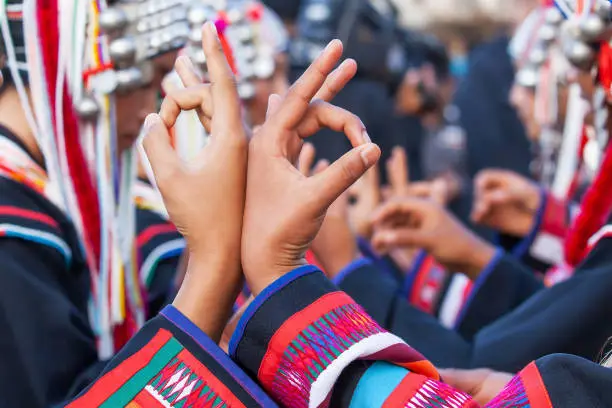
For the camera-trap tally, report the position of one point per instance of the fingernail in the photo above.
(368, 154)
(186, 62)
(366, 136)
(212, 28)
(151, 120)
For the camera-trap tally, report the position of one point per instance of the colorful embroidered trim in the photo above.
(427, 285)
(11, 211)
(307, 354)
(38, 236)
(161, 374)
(525, 390)
(167, 250)
(417, 391)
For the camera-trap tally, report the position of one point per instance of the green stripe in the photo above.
(134, 385)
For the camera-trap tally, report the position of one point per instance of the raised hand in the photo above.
(413, 222)
(205, 198)
(285, 209)
(506, 202)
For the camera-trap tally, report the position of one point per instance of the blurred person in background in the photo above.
(495, 137)
(368, 30)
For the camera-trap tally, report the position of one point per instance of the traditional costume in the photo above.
(70, 287)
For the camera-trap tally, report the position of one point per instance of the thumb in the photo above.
(344, 172)
(468, 381)
(385, 239)
(163, 160)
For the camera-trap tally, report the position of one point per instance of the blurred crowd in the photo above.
(305, 203)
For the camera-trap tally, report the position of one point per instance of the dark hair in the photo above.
(288, 10)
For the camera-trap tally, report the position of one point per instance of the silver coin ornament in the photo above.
(87, 108)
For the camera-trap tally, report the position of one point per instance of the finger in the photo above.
(465, 380)
(383, 240)
(397, 170)
(345, 171)
(325, 115)
(274, 104)
(307, 158)
(420, 190)
(184, 99)
(161, 156)
(337, 80)
(488, 179)
(321, 166)
(406, 206)
(439, 192)
(186, 71)
(226, 103)
(482, 207)
(301, 93)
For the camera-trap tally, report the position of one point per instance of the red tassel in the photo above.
(86, 195)
(594, 212)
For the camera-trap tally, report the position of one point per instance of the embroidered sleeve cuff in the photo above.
(300, 333)
(543, 247)
(171, 362)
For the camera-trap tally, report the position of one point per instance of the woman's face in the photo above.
(133, 107)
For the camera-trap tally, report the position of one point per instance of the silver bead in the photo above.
(248, 53)
(547, 33)
(195, 36)
(129, 79)
(198, 14)
(123, 51)
(235, 15)
(592, 28)
(113, 20)
(553, 16)
(87, 108)
(527, 77)
(244, 33)
(264, 67)
(603, 8)
(199, 57)
(579, 54)
(246, 90)
(537, 56)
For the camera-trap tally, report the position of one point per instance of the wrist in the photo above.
(481, 254)
(262, 273)
(208, 292)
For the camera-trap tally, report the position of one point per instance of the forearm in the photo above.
(209, 291)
